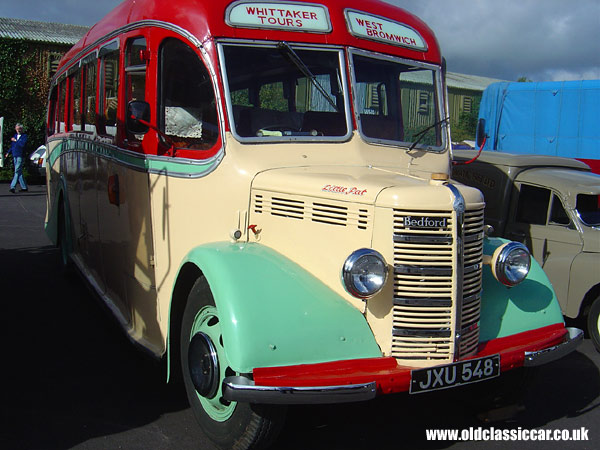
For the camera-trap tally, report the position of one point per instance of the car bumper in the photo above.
(363, 379)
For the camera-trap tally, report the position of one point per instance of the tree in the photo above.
(24, 87)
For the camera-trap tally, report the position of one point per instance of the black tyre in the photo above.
(230, 425)
(593, 323)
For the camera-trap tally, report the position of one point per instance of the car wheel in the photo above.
(593, 323)
(204, 364)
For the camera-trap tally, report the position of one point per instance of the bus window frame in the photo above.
(342, 58)
(61, 83)
(89, 59)
(157, 38)
(52, 108)
(105, 49)
(72, 73)
(130, 140)
(438, 99)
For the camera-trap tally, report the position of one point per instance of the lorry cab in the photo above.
(551, 205)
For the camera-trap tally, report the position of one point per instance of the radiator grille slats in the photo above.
(424, 262)
(471, 301)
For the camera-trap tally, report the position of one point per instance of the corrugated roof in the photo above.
(471, 82)
(31, 30)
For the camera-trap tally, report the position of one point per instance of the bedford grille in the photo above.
(426, 325)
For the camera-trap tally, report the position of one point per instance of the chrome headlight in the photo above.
(364, 273)
(511, 263)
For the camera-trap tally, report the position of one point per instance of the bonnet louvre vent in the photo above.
(297, 208)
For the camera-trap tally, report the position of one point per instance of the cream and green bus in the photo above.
(259, 192)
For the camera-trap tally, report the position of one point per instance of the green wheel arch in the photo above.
(506, 311)
(273, 312)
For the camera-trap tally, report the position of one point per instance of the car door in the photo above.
(541, 222)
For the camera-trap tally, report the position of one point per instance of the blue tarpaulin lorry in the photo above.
(559, 118)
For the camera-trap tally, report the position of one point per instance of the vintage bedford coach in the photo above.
(260, 194)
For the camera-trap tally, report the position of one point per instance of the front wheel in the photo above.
(230, 425)
(593, 323)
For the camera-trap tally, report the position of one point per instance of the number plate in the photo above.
(456, 374)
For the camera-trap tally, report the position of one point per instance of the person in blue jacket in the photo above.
(17, 148)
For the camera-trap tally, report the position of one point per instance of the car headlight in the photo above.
(511, 263)
(364, 273)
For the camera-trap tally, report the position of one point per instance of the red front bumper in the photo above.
(363, 379)
(391, 377)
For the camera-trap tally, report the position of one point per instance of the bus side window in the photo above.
(75, 101)
(52, 112)
(110, 88)
(135, 75)
(60, 119)
(188, 112)
(89, 96)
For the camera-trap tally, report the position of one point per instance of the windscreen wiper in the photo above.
(294, 58)
(421, 134)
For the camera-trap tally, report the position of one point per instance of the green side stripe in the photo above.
(153, 164)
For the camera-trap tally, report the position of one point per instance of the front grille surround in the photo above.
(429, 324)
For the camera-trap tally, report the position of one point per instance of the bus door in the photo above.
(111, 178)
(123, 189)
(83, 193)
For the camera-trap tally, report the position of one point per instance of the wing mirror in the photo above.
(138, 117)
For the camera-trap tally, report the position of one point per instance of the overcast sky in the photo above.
(543, 40)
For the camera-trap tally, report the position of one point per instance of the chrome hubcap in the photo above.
(204, 365)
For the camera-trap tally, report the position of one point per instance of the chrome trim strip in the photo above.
(424, 239)
(459, 230)
(420, 270)
(242, 389)
(537, 358)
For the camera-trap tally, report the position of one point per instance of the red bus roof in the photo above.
(205, 19)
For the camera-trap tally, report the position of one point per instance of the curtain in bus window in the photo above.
(75, 109)
(317, 101)
(52, 112)
(89, 112)
(188, 107)
(61, 107)
(110, 73)
(135, 74)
